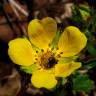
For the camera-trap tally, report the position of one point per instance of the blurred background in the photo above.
(14, 18)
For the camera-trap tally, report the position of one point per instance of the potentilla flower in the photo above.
(47, 52)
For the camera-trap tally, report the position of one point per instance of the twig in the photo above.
(19, 8)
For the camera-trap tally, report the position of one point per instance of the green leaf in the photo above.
(89, 65)
(91, 49)
(83, 83)
(85, 11)
(84, 14)
(85, 8)
(76, 15)
(67, 59)
(29, 69)
(88, 33)
(64, 81)
(55, 40)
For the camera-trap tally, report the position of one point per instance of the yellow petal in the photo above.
(43, 78)
(50, 26)
(72, 41)
(41, 32)
(64, 70)
(20, 52)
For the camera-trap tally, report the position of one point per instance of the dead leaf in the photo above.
(12, 85)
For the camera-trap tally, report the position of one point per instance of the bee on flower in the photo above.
(47, 53)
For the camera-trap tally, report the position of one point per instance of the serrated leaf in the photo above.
(83, 83)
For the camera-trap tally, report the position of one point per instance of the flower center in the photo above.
(47, 60)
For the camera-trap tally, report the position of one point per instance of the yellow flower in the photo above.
(47, 53)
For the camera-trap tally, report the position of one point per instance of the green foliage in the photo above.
(76, 16)
(64, 81)
(89, 65)
(54, 42)
(80, 15)
(84, 7)
(82, 83)
(29, 69)
(91, 49)
(67, 59)
(85, 11)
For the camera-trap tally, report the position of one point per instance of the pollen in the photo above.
(47, 60)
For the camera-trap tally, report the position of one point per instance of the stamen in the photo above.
(57, 48)
(54, 53)
(58, 55)
(49, 44)
(52, 48)
(47, 60)
(51, 62)
(36, 59)
(34, 62)
(61, 52)
(42, 50)
(36, 51)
